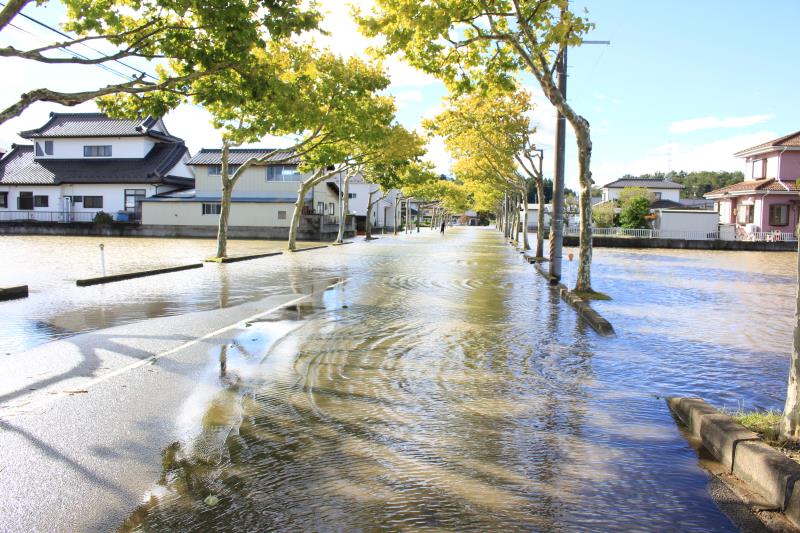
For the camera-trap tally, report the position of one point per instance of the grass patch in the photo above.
(765, 423)
(591, 295)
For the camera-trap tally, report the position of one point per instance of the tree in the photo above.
(479, 44)
(790, 421)
(633, 213)
(189, 40)
(629, 193)
(603, 215)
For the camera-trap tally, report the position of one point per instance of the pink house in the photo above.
(768, 200)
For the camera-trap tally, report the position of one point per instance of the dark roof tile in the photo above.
(237, 156)
(653, 183)
(97, 125)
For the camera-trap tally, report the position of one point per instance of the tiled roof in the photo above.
(770, 184)
(18, 167)
(651, 183)
(791, 140)
(97, 125)
(237, 156)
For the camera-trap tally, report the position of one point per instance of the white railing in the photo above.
(766, 236)
(45, 216)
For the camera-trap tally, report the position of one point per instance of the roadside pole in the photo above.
(557, 217)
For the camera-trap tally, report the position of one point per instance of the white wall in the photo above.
(252, 184)
(113, 195)
(688, 220)
(122, 147)
(183, 213)
(533, 217)
(181, 169)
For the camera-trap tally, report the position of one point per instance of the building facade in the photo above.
(768, 200)
(662, 189)
(80, 164)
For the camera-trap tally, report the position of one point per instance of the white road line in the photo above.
(138, 364)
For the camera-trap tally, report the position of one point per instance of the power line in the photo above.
(59, 32)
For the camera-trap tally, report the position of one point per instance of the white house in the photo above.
(262, 201)
(662, 189)
(82, 163)
(533, 215)
(358, 198)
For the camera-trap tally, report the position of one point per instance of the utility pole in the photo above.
(557, 218)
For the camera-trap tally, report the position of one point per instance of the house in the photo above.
(768, 199)
(533, 215)
(262, 202)
(382, 210)
(82, 163)
(661, 188)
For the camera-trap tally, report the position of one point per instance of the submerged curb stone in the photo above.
(131, 275)
(13, 293)
(765, 470)
(236, 259)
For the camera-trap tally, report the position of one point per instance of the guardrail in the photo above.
(63, 217)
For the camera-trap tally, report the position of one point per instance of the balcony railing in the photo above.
(63, 217)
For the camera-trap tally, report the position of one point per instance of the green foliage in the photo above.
(633, 213)
(627, 194)
(102, 219)
(603, 215)
(765, 423)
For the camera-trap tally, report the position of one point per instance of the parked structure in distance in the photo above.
(383, 210)
(768, 200)
(82, 163)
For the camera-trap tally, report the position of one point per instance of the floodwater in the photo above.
(443, 386)
(57, 308)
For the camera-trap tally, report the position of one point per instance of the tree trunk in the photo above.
(540, 217)
(298, 211)
(408, 217)
(583, 281)
(368, 227)
(225, 207)
(345, 208)
(790, 421)
(397, 202)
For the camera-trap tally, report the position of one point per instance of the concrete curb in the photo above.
(763, 469)
(598, 323)
(241, 258)
(14, 293)
(131, 275)
(307, 249)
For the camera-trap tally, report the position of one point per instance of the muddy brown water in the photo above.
(443, 386)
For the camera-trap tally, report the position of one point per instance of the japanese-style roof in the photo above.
(787, 141)
(753, 186)
(237, 156)
(19, 167)
(98, 125)
(665, 204)
(650, 183)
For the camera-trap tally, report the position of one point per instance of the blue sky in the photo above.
(683, 85)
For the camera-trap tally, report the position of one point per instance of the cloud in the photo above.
(438, 155)
(707, 123)
(402, 99)
(716, 155)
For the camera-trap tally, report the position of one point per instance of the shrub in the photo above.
(603, 215)
(634, 212)
(103, 219)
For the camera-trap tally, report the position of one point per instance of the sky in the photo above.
(682, 86)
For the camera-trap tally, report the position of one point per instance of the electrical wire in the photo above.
(80, 56)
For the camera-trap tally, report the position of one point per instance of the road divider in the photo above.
(131, 275)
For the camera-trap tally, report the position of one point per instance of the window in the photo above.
(40, 201)
(281, 215)
(39, 151)
(744, 214)
(332, 208)
(3, 199)
(216, 170)
(282, 173)
(759, 169)
(779, 215)
(77, 199)
(212, 208)
(48, 147)
(657, 195)
(103, 150)
(351, 195)
(132, 196)
(25, 201)
(93, 202)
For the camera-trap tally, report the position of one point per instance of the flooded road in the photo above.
(441, 385)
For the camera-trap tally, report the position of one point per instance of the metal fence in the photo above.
(45, 216)
(766, 236)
